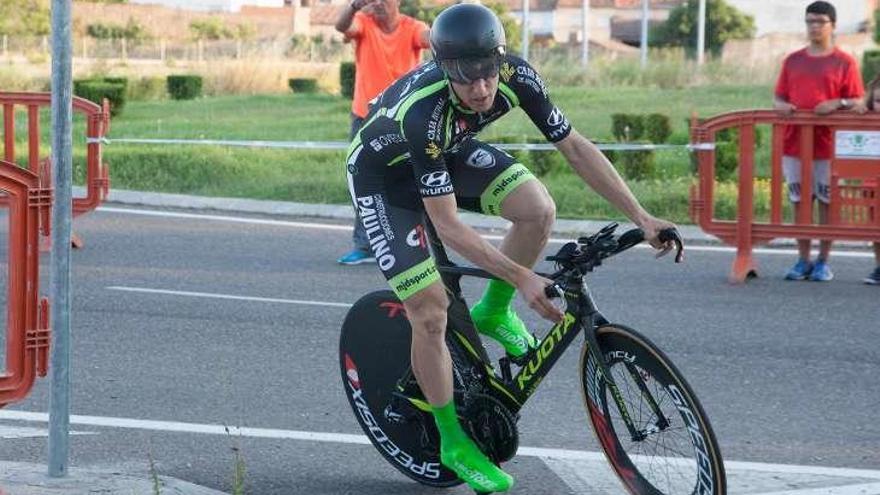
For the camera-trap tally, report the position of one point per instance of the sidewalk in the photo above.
(20, 478)
(692, 234)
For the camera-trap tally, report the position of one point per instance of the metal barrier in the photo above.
(27, 343)
(97, 126)
(855, 182)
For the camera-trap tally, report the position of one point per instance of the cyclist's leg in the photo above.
(432, 366)
(393, 221)
(492, 182)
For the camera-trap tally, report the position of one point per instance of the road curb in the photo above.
(21, 478)
(562, 227)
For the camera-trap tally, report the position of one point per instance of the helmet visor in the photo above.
(468, 70)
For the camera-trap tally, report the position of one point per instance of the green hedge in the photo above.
(97, 89)
(184, 87)
(346, 79)
(303, 85)
(632, 128)
(870, 65)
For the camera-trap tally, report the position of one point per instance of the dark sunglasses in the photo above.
(468, 70)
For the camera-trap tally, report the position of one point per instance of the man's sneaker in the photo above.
(507, 328)
(821, 272)
(874, 277)
(800, 271)
(356, 257)
(474, 468)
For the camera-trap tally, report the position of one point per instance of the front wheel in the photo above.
(673, 450)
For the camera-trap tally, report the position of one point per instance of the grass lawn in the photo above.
(318, 176)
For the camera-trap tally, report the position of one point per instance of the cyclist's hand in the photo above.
(652, 227)
(532, 290)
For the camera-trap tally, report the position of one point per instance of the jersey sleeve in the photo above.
(852, 82)
(522, 83)
(356, 30)
(782, 90)
(423, 126)
(419, 28)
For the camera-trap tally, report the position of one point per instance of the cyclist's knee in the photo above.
(530, 205)
(426, 310)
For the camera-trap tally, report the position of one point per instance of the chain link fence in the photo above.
(301, 49)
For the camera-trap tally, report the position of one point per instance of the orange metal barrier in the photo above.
(97, 126)
(855, 182)
(27, 343)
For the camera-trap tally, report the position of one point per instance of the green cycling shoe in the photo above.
(505, 327)
(474, 468)
(460, 454)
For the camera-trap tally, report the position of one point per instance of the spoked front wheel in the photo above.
(672, 450)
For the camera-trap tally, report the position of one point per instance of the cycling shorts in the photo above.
(391, 210)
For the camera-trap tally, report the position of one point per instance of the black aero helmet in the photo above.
(468, 41)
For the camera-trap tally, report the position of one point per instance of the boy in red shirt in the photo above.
(822, 78)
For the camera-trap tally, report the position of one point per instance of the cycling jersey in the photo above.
(418, 141)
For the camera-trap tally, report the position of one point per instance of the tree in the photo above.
(24, 17)
(723, 22)
(427, 12)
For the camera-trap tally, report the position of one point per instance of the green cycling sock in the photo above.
(498, 295)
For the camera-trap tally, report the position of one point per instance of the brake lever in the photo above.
(672, 234)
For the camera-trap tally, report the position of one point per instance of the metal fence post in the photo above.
(644, 36)
(62, 158)
(701, 32)
(525, 29)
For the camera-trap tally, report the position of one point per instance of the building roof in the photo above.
(543, 5)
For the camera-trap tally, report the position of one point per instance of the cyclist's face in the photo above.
(478, 95)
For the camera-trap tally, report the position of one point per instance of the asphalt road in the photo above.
(787, 371)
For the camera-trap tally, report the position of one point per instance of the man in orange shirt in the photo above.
(388, 44)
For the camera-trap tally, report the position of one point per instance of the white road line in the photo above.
(326, 226)
(855, 489)
(543, 453)
(227, 296)
(12, 432)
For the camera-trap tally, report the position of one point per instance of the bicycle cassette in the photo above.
(492, 426)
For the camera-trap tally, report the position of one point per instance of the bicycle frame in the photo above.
(580, 313)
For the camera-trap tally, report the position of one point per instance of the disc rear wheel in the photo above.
(374, 353)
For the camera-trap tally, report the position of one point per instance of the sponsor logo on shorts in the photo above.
(481, 158)
(374, 218)
(415, 280)
(416, 238)
(502, 186)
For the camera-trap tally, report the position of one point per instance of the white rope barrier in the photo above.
(342, 145)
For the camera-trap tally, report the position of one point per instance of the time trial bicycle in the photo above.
(653, 430)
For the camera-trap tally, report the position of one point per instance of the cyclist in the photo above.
(417, 153)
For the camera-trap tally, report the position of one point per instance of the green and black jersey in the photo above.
(418, 141)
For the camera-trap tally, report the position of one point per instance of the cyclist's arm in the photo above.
(454, 233)
(597, 172)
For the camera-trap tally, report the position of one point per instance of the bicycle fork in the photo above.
(595, 319)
